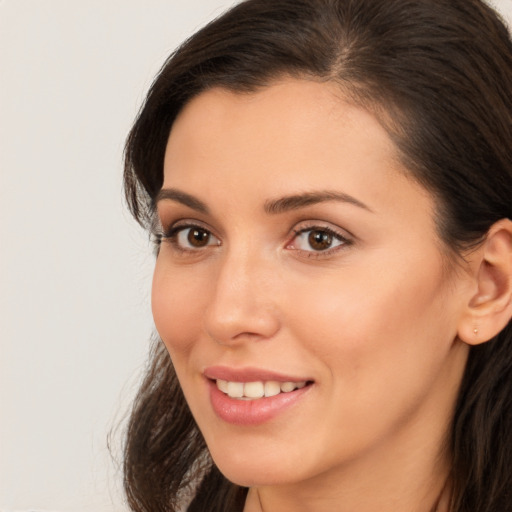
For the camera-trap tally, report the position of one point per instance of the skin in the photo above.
(372, 320)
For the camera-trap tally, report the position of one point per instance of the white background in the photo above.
(75, 271)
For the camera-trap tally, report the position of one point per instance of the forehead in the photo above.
(290, 137)
(287, 104)
(291, 117)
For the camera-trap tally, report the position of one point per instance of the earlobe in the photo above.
(489, 309)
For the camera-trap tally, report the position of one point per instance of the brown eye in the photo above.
(192, 237)
(319, 240)
(197, 237)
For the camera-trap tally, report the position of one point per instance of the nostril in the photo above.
(240, 324)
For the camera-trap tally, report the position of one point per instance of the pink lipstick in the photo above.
(251, 396)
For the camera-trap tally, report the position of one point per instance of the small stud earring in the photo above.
(475, 330)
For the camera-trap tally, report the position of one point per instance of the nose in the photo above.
(243, 303)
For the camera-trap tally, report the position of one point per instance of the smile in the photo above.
(257, 389)
(252, 396)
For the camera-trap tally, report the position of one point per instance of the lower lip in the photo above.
(252, 412)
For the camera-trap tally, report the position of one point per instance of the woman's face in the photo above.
(300, 258)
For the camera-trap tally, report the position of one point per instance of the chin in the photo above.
(260, 476)
(255, 468)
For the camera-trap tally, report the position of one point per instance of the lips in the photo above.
(251, 396)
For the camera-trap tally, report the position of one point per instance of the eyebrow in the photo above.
(173, 194)
(273, 206)
(297, 201)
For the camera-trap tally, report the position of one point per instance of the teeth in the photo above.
(254, 389)
(286, 387)
(236, 389)
(222, 385)
(257, 389)
(272, 388)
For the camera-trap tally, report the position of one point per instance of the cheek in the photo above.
(374, 322)
(383, 344)
(176, 303)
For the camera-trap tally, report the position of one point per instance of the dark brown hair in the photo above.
(438, 75)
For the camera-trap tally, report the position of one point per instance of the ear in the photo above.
(489, 309)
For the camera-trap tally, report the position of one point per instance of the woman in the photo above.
(329, 185)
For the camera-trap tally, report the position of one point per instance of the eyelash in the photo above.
(171, 235)
(334, 234)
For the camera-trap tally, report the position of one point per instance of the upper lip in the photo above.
(249, 374)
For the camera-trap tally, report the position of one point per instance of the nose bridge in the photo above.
(241, 305)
